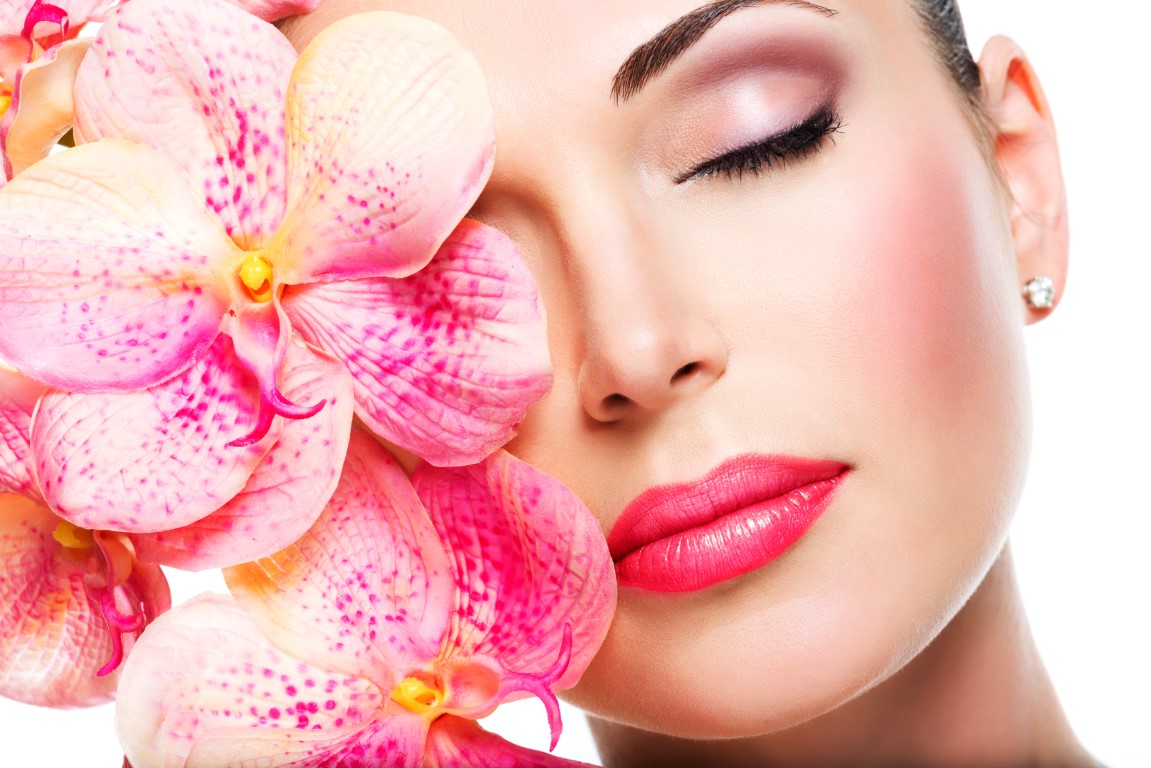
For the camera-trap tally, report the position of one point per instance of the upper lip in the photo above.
(738, 482)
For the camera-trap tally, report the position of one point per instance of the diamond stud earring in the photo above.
(1039, 292)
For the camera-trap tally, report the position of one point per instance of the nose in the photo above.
(648, 343)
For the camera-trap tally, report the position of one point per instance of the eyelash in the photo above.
(796, 143)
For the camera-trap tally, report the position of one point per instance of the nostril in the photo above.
(684, 371)
(615, 400)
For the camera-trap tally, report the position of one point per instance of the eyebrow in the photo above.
(657, 54)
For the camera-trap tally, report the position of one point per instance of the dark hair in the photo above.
(945, 28)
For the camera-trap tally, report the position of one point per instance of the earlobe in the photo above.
(1025, 148)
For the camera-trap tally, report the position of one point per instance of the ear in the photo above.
(1023, 140)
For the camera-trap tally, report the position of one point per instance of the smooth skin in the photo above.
(859, 301)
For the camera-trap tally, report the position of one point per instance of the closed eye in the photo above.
(796, 143)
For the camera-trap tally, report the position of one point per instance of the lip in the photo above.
(739, 517)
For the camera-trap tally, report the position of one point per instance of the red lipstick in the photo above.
(740, 516)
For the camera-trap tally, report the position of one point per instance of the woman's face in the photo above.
(848, 293)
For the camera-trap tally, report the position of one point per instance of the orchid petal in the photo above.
(15, 51)
(367, 590)
(28, 135)
(204, 667)
(454, 742)
(12, 14)
(203, 82)
(82, 11)
(18, 397)
(274, 10)
(529, 560)
(52, 638)
(151, 460)
(105, 260)
(446, 361)
(390, 140)
(286, 492)
(394, 739)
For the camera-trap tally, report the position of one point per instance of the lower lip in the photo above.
(730, 546)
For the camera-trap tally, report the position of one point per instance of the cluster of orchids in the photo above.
(245, 274)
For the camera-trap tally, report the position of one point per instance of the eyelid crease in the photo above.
(795, 143)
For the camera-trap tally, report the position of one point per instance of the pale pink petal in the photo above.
(454, 742)
(18, 397)
(274, 10)
(53, 639)
(151, 460)
(27, 135)
(12, 14)
(105, 270)
(204, 667)
(395, 739)
(529, 560)
(80, 11)
(390, 140)
(368, 589)
(446, 361)
(203, 82)
(288, 489)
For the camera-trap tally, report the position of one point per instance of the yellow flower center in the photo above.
(417, 696)
(73, 536)
(256, 275)
(5, 102)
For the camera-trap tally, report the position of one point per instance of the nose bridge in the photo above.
(647, 339)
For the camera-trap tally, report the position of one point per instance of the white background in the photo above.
(1082, 537)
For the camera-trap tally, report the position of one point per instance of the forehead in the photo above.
(550, 67)
(530, 49)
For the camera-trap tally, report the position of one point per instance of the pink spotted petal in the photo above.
(274, 10)
(367, 590)
(53, 639)
(454, 742)
(390, 140)
(204, 668)
(287, 490)
(529, 560)
(152, 460)
(27, 135)
(446, 361)
(105, 270)
(395, 739)
(18, 397)
(203, 82)
(261, 333)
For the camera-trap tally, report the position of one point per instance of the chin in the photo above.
(851, 604)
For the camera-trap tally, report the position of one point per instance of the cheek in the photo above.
(879, 326)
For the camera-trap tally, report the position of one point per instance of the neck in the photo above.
(978, 695)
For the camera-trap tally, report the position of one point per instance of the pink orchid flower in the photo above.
(152, 464)
(71, 600)
(385, 632)
(122, 261)
(39, 57)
